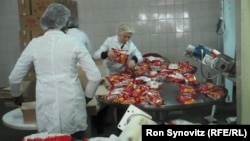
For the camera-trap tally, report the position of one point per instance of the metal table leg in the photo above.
(211, 118)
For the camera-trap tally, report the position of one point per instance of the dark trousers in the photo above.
(79, 135)
(102, 115)
(100, 120)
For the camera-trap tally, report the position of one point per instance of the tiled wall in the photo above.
(162, 26)
(9, 38)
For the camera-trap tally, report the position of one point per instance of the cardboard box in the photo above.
(29, 112)
(99, 64)
(28, 93)
(31, 76)
(24, 8)
(39, 6)
(31, 22)
(24, 38)
(29, 90)
(5, 93)
(37, 32)
(83, 77)
(72, 5)
(92, 106)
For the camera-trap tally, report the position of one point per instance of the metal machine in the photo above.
(216, 60)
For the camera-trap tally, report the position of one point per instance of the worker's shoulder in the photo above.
(77, 33)
(112, 39)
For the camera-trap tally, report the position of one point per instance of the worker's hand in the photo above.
(131, 63)
(18, 100)
(111, 55)
(88, 99)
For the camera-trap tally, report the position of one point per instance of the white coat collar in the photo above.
(117, 40)
(54, 31)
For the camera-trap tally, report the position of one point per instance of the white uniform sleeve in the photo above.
(20, 70)
(93, 73)
(88, 43)
(103, 48)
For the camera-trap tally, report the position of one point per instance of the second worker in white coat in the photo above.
(121, 41)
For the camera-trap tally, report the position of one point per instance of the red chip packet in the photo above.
(121, 56)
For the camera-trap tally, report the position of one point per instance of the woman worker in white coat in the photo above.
(120, 41)
(60, 99)
(73, 30)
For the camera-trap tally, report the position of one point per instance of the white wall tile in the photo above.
(152, 12)
(162, 12)
(163, 26)
(170, 26)
(162, 39)
(161, 2)
(188, 38)
(179, 11)
(128, 3)
(170, 2)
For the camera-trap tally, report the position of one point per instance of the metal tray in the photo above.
(168, 93)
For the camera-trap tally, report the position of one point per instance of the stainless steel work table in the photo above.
(169, 92)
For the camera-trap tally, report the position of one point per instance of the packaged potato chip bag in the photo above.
(121, 56)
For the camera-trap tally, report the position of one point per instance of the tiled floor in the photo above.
(223, 111)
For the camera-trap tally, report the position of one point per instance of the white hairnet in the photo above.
(73, 21)
(55, 17)
(125, 27)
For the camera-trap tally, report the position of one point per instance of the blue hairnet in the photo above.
(55, 17)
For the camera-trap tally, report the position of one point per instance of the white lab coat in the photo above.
(81, 36)
(113, 42)
(60, 99)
